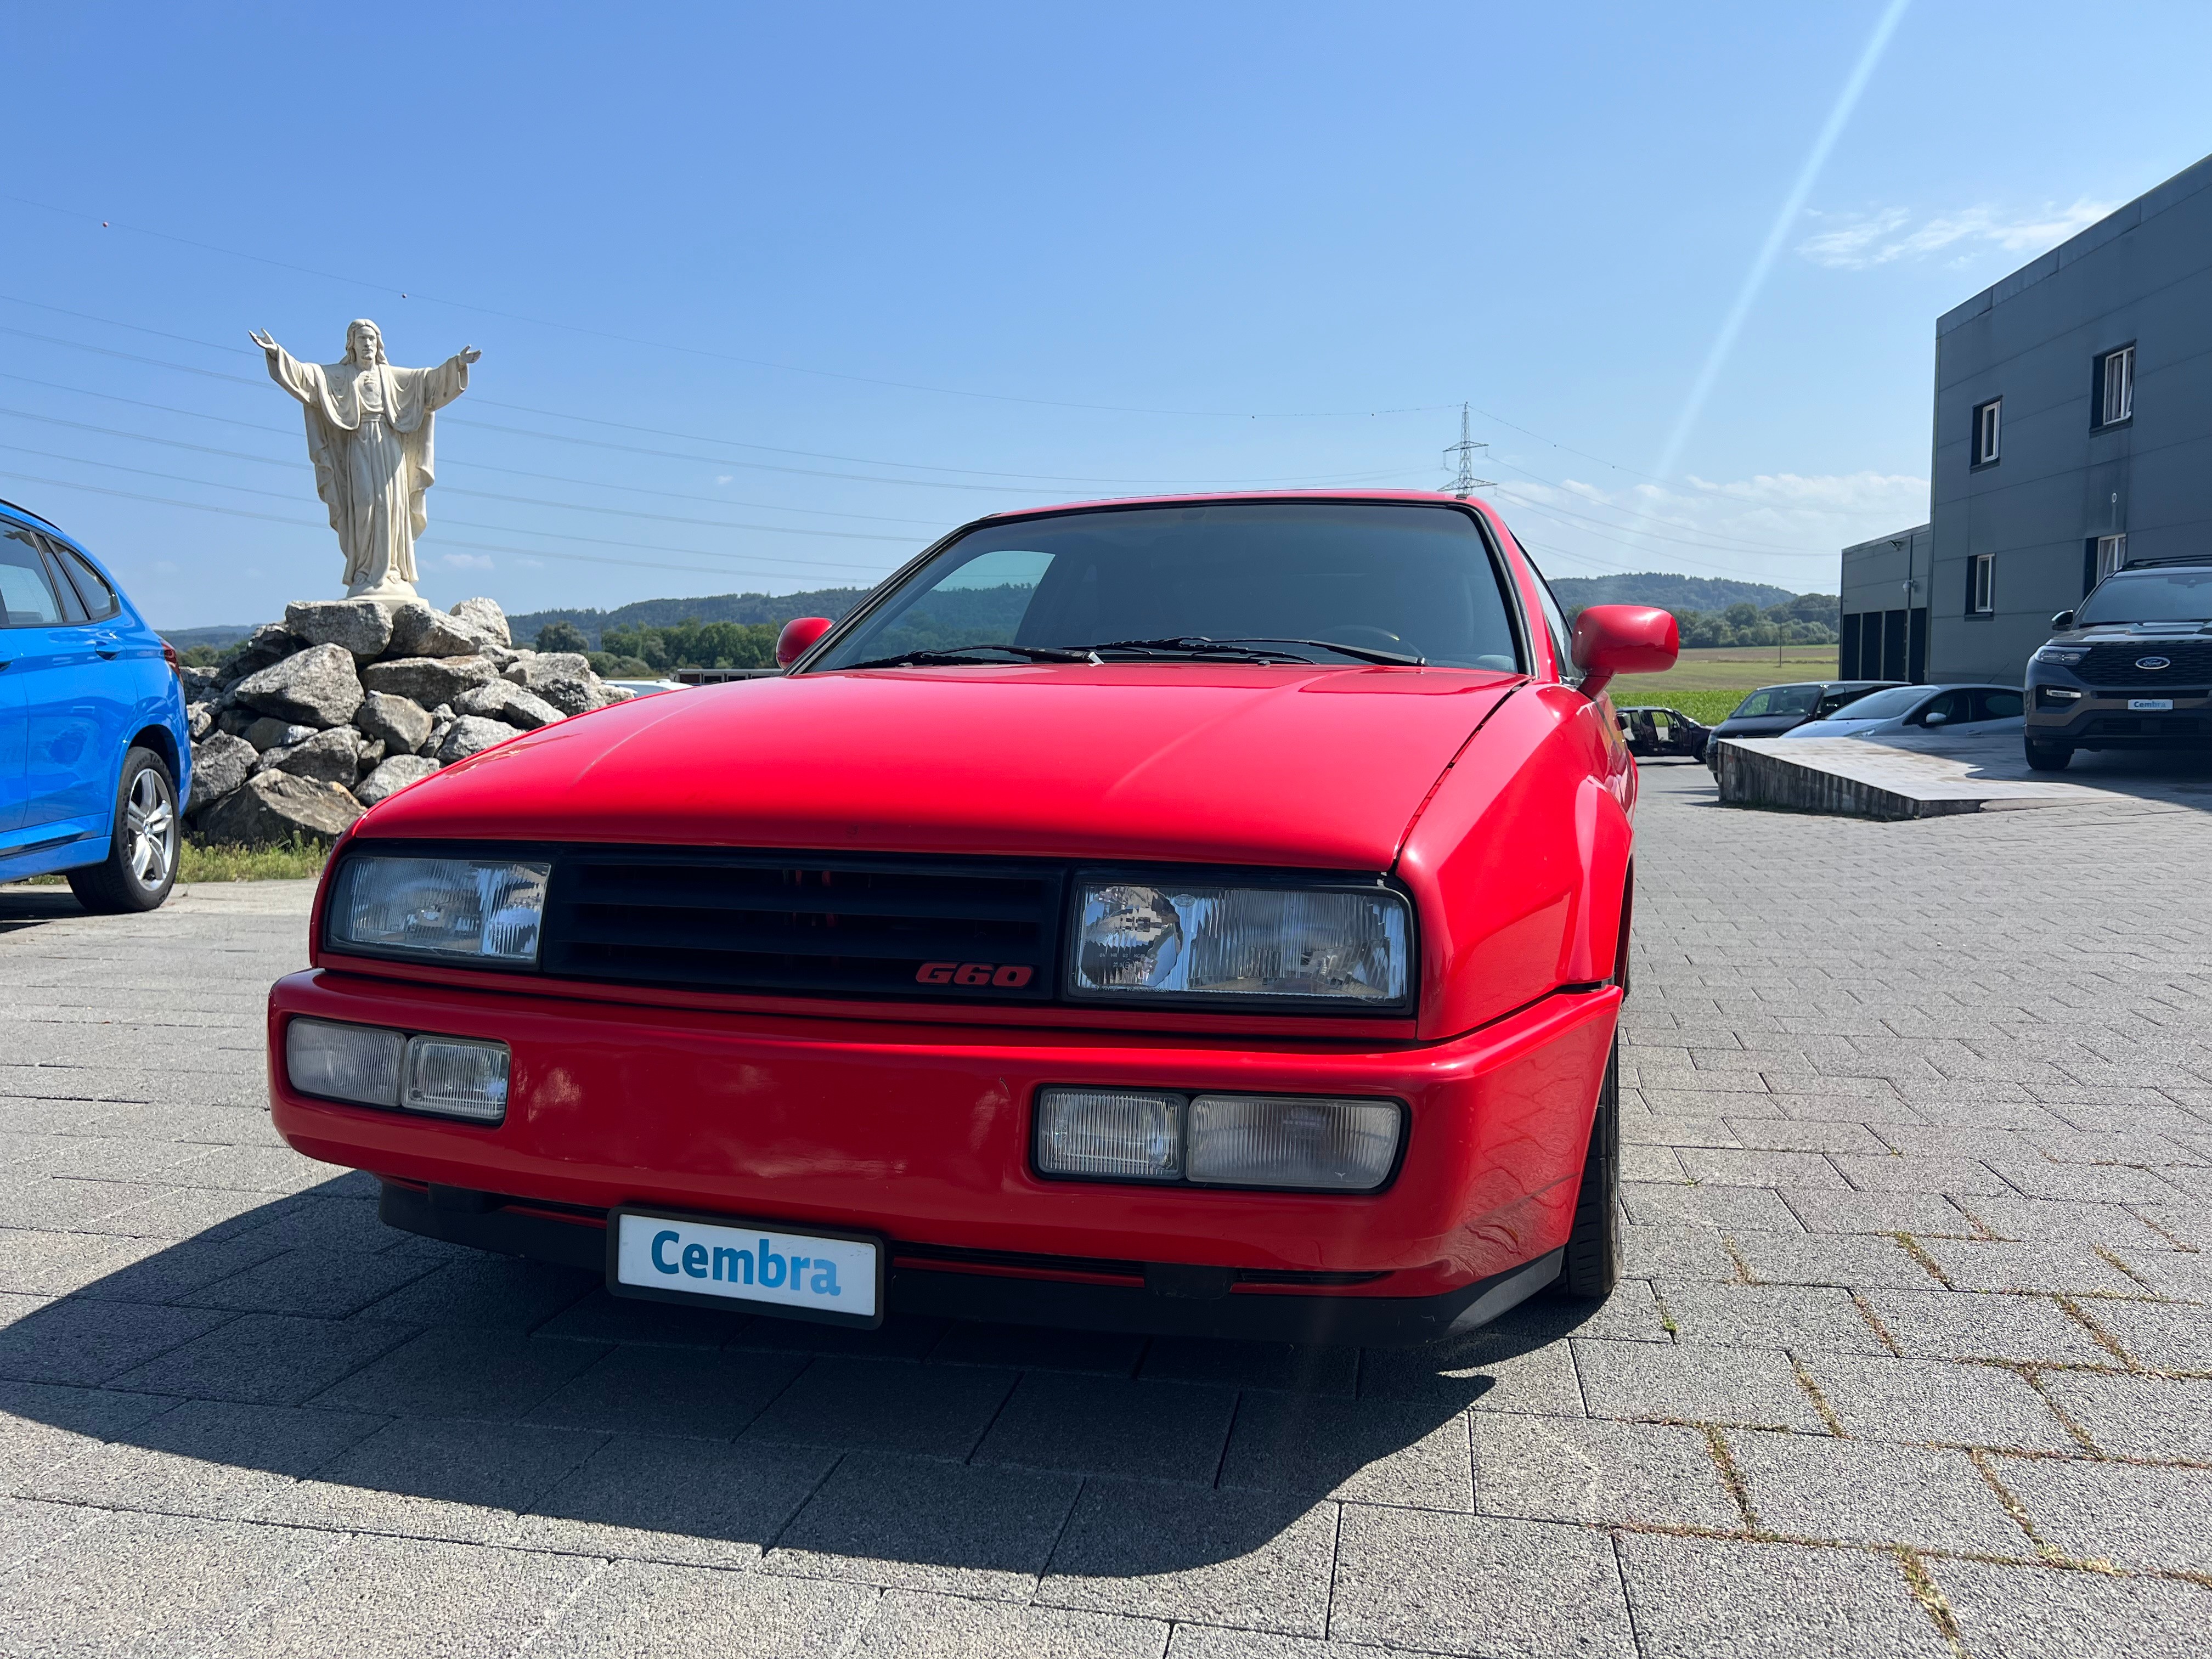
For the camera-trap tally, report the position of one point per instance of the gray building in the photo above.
(2073, 430)
(1884, 630)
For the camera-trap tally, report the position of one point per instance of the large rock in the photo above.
(485, 616)
(199, 720)
(429, 680)
(362, 626)
(274, 807)
(563, 678)
(220, 763)
(200, 683)
(423, 631)
(499, 701)
(400, 724)
(271, 642)
(318, 687)
(393, 775)
(268, 732)
(331, 757)
(472, 734)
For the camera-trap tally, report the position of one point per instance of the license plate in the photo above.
(833, 1277)
(2150, 703)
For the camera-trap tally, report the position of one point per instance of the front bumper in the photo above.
(922, 1134)
(2100, 718)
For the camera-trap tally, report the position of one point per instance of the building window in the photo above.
(2111, 554)
(2116, 386)
(1986, 422)
(1981, 584)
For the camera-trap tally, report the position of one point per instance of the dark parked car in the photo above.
(1773, 709)
(2131, 669)
(94, 752)
(1652, 731)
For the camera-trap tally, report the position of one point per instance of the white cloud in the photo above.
(465, 561)
(1782, 527)
(1859, 241)
(724, 477)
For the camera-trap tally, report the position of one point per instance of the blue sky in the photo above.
(830, 280)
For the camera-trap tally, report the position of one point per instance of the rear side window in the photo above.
(26, 594)
(100, 600)
(1998, 705)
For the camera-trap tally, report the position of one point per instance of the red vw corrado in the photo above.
(1206, 915)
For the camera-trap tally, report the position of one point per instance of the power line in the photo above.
(731, 357)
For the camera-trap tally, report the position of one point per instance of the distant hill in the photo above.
(185, 638)
(774, 609)
(1668, 592)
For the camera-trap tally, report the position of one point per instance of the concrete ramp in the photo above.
(1926, 777)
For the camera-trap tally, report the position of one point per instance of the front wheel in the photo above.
(1592, 1267)
(2048, 756)
(141, 866)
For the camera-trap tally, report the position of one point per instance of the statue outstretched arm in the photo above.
(302, 381)
(442, 385)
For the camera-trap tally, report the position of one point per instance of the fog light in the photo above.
(358, 1063)
(453, 1077)
(1118, 1133)
(1287, 1141)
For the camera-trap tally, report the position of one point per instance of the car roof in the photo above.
(26, 512)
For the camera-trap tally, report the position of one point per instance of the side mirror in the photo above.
(798, 638)
(2063, 619)
(1623, 639)
(1935, 717)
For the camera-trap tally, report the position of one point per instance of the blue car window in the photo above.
(25, 592)
(100, 600)
(72, 606)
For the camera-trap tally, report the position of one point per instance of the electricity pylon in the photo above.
(1460, 456)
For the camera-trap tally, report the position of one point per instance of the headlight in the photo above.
(2064, 655)
(1348, 945)
(455, 908)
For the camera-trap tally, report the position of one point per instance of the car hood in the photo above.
(1322, 767)
(1757, 726)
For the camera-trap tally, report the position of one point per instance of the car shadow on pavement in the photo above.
(298, 1362)
(24, 906)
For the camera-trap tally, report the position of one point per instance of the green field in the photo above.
(1706, 685)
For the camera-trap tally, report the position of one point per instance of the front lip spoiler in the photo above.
(1173, 1300)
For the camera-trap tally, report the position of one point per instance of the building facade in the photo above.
(1883, 634)
(2073, 427)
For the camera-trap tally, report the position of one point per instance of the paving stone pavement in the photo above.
(1915, 1358)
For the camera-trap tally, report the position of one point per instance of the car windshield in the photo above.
(1882, 705)
(1776, 701)
(2149, 596)
(1283, 580)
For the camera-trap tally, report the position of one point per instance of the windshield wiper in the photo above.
(1200, 642)
(956, 655)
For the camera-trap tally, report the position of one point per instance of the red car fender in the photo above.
(1519, 860)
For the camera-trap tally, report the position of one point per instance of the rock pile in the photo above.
(322, 715)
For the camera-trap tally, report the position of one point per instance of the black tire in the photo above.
(1592, 1267)
(2048, 756)
(146, 838)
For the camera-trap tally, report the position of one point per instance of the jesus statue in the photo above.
(368, 435)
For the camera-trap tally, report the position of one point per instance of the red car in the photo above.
(1203, 915)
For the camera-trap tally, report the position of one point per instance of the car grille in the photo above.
(2115, 664)
(806, 923)
(2144, 725)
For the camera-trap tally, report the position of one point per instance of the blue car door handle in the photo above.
(107, 645)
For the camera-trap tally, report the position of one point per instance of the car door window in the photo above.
(1998, 705)
(1951, 705)
(25, 591)
(100, 600)
(72, 605)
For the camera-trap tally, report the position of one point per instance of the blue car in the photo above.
(95, 755)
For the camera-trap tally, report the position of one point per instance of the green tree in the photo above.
(563, 636)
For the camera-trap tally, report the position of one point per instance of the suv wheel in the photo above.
(141, 866)
(2048, 756)
(1593, 1264)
